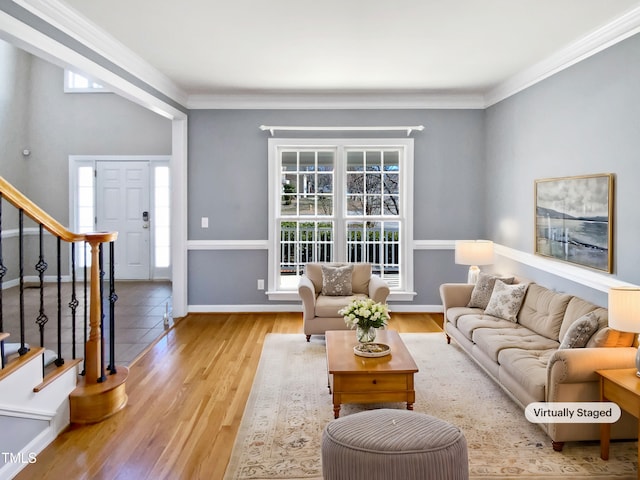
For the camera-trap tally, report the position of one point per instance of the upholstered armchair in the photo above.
(325, 288)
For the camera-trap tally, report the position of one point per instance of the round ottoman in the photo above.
(390, 444)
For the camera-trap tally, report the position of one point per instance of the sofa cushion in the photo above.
(483, 289)
(506, 300)
(467, 324)
(543, 311)
(580, 331)
(528, 368)
(454, 313)
(328, 306)
(336, 280)
(492, 340)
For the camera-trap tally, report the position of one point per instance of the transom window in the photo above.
(340, 200)
(78, 83)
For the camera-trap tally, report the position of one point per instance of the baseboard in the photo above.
(401, 308)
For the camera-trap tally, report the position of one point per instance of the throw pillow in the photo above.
(483, 289)
(608, 337)
(506, 300)
(336, 280)
(580, 331)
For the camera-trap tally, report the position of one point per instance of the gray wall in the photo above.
(35, 113)
(583, 120)
(15, 73)
(227, 181)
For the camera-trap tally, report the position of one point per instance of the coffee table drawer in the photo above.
(372, 383)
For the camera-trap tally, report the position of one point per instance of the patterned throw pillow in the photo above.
(336, 280)
(580, 331)
(506, 300)
(483, 289)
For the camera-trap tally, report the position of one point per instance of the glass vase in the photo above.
(365, 335)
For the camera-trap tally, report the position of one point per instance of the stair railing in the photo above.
(95, 364)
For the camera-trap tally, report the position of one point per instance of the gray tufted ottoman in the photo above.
(393, 445)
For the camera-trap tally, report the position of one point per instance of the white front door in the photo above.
(122, 205)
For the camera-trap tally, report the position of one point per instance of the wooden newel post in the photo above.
(94, 371)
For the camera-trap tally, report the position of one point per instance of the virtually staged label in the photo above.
(572, 412)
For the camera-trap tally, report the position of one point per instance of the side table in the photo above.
(620, 386)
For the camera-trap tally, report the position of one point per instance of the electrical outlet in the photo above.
(204, 222)
(260, 284)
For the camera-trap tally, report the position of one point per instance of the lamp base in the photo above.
(472, 277)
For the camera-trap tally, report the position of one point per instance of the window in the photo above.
(78, 83)
(340, 200)
(162, 210)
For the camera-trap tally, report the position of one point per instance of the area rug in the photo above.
(290, 404)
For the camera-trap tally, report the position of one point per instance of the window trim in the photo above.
(340, 144)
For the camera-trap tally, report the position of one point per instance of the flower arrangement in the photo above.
(365, 314)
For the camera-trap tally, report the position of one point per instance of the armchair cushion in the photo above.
(328, 306)
(359, 279)
(336, 280)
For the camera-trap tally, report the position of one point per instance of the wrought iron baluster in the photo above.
(102, 357)
(73, 304)
(23, 348)
(113, 298)
(41, 267)
(59, 361)
(3, 271)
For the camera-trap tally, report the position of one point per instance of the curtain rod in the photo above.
(272, 129)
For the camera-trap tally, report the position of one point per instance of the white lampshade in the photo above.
(474, 252)
(624, 309)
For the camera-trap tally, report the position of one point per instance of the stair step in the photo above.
(18, 362)
(56, 373)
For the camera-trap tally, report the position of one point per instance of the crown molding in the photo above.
(336, 101)
(614, 32)
(69, 21)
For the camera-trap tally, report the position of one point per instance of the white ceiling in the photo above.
(217, 47)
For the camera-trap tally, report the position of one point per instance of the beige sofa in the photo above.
(320, 312)
(524, 357)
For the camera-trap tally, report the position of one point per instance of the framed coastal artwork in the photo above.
(574, 220)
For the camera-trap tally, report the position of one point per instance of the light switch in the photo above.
(205, 222)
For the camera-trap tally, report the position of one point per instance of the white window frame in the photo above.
(275, 145)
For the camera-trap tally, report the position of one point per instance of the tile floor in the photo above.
(139, 317)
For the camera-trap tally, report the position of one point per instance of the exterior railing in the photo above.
(300, 245)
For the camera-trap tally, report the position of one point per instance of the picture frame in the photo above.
(574, 220)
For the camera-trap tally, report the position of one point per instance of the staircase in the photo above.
(43, 386)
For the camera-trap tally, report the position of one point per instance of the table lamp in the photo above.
(474, 253)
(624, 312)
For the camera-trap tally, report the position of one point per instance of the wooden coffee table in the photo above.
(355, 379)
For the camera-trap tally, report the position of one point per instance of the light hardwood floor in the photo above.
(186, 399)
